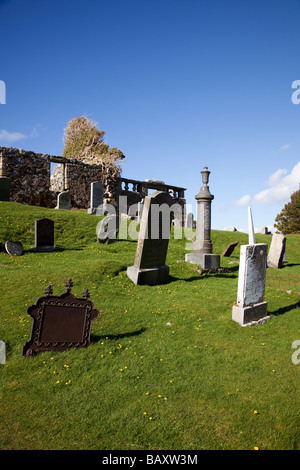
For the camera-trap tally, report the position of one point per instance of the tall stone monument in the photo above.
(149, 266)
(250, 307)
(203, 248)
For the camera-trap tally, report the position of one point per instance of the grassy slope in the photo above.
(144, 384)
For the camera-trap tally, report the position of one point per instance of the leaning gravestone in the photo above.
(97, 191)
(229, 249)
(60, 322)
(44, 235)
(14, 248)
(149, 266)
(4, 188)
(64, 201)
(277, 251)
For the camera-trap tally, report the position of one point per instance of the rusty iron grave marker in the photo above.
(60, 322)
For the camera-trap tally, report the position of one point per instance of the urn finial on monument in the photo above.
(204, 192)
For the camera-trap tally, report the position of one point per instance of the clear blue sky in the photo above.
(176, 85)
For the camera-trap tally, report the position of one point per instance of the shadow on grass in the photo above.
(283, 310)
(96, 338)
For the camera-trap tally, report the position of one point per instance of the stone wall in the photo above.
(32, 184)
(30, 176)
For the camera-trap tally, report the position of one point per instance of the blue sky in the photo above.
(176, 85)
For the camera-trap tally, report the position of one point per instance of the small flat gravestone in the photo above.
(60, 322)
(44, 235)
(14, 248)
(149, 266)
(229, 250)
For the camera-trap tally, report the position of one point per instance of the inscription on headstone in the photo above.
(152, 246)
(60, 322)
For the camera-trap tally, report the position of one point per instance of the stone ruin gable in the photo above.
(29, 173)
(32, 184)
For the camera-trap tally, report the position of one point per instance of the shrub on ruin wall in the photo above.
(83, 141)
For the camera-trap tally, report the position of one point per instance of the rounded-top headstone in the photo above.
(14, 248)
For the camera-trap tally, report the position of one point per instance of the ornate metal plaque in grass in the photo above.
(60, 322)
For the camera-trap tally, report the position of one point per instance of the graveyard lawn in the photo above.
(167, 368)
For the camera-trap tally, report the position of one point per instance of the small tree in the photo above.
(288, 221)
(85, 142)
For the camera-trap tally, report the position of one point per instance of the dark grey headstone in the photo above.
(44, 235)
(149, 265)
(14, 248)
(4, 188)
(229, 250)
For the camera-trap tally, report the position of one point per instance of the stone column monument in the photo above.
(202, 254)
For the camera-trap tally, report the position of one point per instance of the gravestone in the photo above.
(229, 249)
(2, 352)
(60, 322)
(96, 202)
(14, 248)
(44, 235)
(4, 188)
(149, 266)
(107, 230)
(64, 201)
(277, 251)
(140, 211)
(250, 307)
(189, 220)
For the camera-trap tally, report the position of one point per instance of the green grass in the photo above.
(200, 382)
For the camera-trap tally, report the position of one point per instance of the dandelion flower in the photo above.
(255, 412)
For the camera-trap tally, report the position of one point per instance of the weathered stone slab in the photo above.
(250, 306)
(96, 203)
(149, 265)
(64, 201)
(229, 249)
(14, 248)
(277, 251)
(4, 188)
